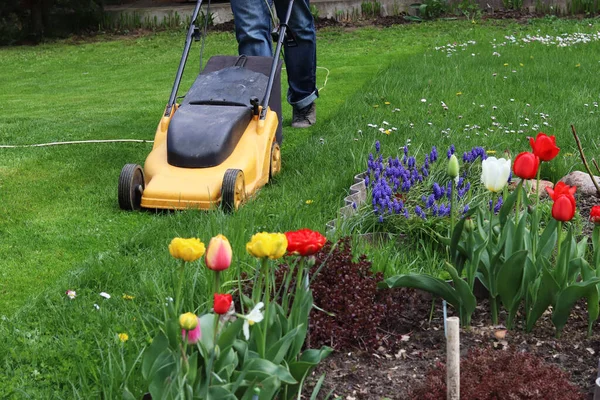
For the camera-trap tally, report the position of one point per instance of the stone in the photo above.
(531, 184)
(583, 182)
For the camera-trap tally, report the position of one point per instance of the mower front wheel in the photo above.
(131, 187)
(275, 165)
(233, 190)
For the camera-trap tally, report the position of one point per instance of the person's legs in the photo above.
(300, 61)
(252, 20)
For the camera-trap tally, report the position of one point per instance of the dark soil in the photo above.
(411, 345)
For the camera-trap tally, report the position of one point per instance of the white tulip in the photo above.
(495, 173)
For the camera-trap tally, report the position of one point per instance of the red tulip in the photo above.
(544, 146)
(218, 253)
(563, 208)
(304, 242)
(595, 215)
(560, 189)
(222, 303)
(526, 165)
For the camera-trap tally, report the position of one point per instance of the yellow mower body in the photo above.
(257, 155)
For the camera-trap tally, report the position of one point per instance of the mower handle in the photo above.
(184, 56)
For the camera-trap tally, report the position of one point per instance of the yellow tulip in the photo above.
(188, 321)
(187, 249)
(272, 245)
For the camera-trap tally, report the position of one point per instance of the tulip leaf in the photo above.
(596, 246)
(545, 296)
(567, 299)
(259, 368)
(582, 246)
(127, 395)
(207, 326)
(229, 334)
(548, 240)
(278, 350)
(509, 204)
(465, 293)
(593, 300)
(309, 359)
(193, 368)
(159, 345)
(436, 286)
(510, 278)
(226, 363)
(220, 392)
(508, 232)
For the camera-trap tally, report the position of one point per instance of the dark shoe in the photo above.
(304, 117)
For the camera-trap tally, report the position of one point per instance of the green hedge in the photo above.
(31, 21)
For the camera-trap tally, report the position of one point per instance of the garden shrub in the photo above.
(501, 375)
(347, 289)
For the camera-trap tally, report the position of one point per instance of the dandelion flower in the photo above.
(123, 337)
(128, 297)
(308, 202)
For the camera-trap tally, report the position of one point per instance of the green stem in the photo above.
(452, 195)
(492, 272)
(217, 282)
(494, 308)
(179, 287)
(518, 205)
(265, 272)
(558, 238)
(239, 281)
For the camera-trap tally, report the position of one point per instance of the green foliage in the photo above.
(314, 11)
(36, 20)
(587, 7)
(370, 9)
(429, 9)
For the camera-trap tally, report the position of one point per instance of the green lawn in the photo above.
(60, 225)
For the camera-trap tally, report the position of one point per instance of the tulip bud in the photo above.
(453, 167)
(188, 321)
(469, 225)
(218, 254)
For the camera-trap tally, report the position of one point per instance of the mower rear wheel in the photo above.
(131, 187)
(275, 166)
(233, 190)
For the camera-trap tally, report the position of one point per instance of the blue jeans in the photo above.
(252, 20)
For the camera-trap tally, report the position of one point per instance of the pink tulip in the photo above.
(218, 254)
(192, 336)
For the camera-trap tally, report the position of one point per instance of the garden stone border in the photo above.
(357, 196)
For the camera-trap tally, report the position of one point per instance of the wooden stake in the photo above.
(585, 163)
(453, 359)
(597, 387)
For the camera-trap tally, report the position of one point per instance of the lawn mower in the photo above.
(221, 143)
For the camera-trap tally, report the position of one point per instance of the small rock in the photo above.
(500, 334)
(590, 350)
(532, 184)
(582, 181)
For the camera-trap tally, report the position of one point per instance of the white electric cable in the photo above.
(6, 146)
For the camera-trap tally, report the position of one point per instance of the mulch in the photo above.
(411, 344)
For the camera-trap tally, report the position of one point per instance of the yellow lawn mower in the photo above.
(221, 143)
